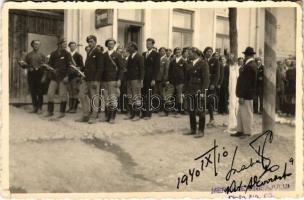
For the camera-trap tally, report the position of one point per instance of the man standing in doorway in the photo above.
(214, 76)
(33, 62)
(152, 64)
(90, 85)
(245, 91)
(60, 61)
(258, 99)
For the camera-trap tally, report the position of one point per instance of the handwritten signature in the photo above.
(213, 156)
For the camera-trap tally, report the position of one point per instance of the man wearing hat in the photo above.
(90, 85)
(111, 80)
(60, 60)
(196, 82)
(245, 91)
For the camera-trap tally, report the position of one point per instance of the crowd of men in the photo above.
(124, 80)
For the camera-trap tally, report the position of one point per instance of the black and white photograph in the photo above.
(152, 98)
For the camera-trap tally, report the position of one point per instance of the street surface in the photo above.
(144, 156)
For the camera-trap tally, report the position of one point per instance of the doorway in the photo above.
(129, 32)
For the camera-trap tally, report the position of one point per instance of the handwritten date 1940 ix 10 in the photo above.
(211, 158)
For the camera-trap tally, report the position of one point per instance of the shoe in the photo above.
(34, 110)
(48, 114)
(135, 118)
(92, 121)
(192, 132)
(211, 123)
(112, 121)
(61, 115)
(82, 119)
(199, 134)
(39, 111)
(237, 134)
(147, 118)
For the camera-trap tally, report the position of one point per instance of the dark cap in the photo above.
(91, 37)
(72, 42)
(208, 48)
(61, 40)
(109, 40)
(249, 51)
(196, 50)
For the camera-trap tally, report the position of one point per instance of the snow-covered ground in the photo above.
(146, 156)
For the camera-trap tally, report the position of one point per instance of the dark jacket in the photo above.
(221, 78)
(152, 64)
(177, 72)
(260, 79)
(214, 71)
(113, 70)
(77, 57)
(197, 77)
(135, 68)
(60, 60)
(226, 74)
(94, 65)
(162, 74)
(246, 82)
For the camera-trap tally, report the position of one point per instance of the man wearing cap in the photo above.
(33, 61)
(245, 91)
(111, 80)
(60, 60)
(74, 78)
(196, 82)
(90, 85)
(134, 75)
(152, 65)
(214, 73)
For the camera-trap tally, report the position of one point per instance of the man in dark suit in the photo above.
(135, 76)
(111, 80)
(90, 85)
(60, 60)
(152, 65)
(245, 91)
(197, 81)
(258, 99)
(74, 78)
(214, 73)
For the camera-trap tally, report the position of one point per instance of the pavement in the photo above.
(143, 156)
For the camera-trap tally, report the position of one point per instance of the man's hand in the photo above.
(152, 82)
(65, 80)
(211, 87)
(118, 83)
(241, 101)
(219, 86)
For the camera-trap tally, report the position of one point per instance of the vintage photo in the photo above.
(154, 98)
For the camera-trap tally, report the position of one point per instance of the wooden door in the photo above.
(25, 25)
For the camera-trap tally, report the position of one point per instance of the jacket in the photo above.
(214, 71)
(162, 74)
(152, 64)
(177, 72)
(246, 82)
(197, 77)
(94, 65)
(60, 60)
(77, 57)
(135, 68)
(113, 69)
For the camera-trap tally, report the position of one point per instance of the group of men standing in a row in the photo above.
(188, 71)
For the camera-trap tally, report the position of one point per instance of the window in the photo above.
(182, 28)
(222, 34)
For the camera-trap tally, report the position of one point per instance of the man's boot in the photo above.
(62, 109)
(201, 126)
(71, 105)
(192, 118)
(76, 102)
(105, 117)
(50, 109)
(112, 116)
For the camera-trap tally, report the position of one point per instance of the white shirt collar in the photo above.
(133, 54)
(195, 61)
(110, 51)
(72, 53)
(178, 59)
(163, 57)
(249, 60)
(149, 51)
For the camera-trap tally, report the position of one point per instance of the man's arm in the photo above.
(99, 65)
(141, 67)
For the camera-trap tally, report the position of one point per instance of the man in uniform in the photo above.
(134, 75)
(60, 60)
(245, 91)
(74, 79)
(90, 85)
(214, 73)
(258, 99)
(152, 64)
(33, 62)
(111, 80)
(197, 81)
